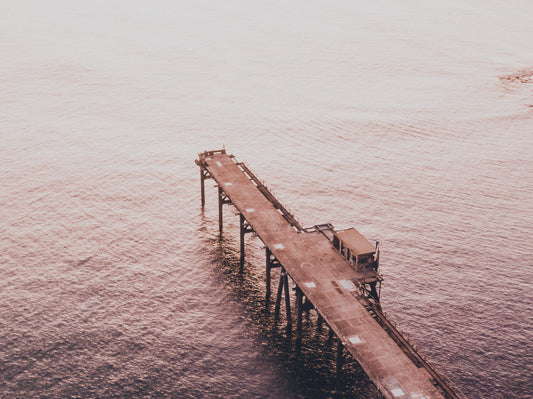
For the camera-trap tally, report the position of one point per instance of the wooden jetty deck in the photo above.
(327, 280)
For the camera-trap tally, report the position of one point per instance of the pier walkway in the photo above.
(326, 279)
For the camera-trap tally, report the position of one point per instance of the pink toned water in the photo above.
(411, 121)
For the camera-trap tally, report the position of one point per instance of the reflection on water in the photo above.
(408, 121)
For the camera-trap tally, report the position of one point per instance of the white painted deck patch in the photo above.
(228, 184)
(398, 392)
(219, 164)
(355, 339)
(348, 284)
(310, 285)
(278, 246)
(250, 210)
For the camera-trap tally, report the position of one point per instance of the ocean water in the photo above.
(411, 121)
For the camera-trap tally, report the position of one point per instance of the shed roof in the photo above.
(355, 241)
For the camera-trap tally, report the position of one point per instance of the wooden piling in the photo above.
(278, 296)
(299, 306)
(220, 203)
(202, 186)
(338, 368)
(268, 278)
(243, 232)
(287, 302)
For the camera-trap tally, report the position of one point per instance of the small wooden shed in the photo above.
(356, 248)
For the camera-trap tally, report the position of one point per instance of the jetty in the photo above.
(335, 273)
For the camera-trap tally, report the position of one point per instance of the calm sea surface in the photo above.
(411, 121)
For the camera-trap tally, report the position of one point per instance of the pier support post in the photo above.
(220, 203)
(243, 231)
(245, 228)
(284, 286)
(287, 302)
(319, 321)
(278, 296)
(373, 291)
(271, 263)
(202, 185)
(299, 305)
(330, 336)
(268, 269)
(338, 371)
